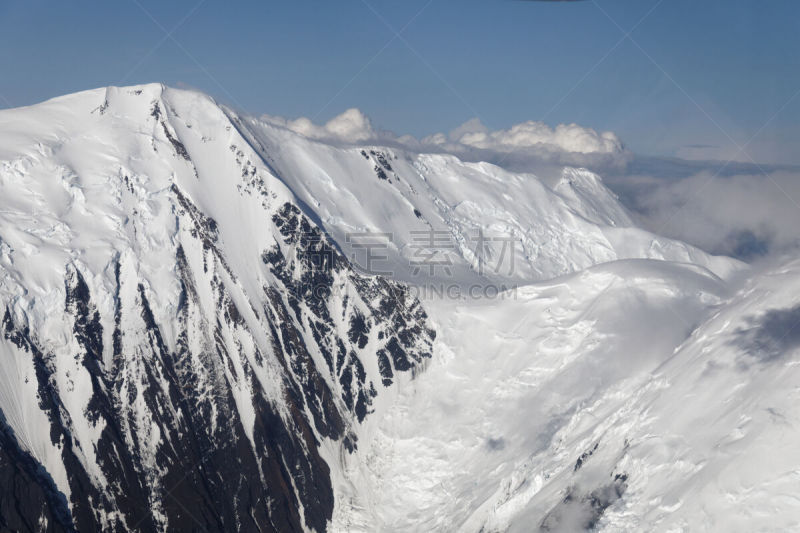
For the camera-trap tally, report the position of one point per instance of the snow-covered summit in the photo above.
(167, 307)
(532, 231)
(190, 337)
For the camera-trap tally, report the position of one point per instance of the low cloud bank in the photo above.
(737, 209)
(471, 139)
(564, 137)
(744, 213)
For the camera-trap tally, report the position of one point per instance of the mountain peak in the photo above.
(185, 286)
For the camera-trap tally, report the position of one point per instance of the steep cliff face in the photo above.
(182, 347)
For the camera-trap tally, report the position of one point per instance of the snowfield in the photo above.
(190, 339)
(654, 373)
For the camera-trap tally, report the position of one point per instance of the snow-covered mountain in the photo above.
(191, 340)
(181, 347)
(632, 396)
(556, 228)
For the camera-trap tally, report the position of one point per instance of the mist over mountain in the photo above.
(705, 193)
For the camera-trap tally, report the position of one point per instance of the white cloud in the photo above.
(564, 137)
(741, 213)
(353, 126)
(474, 126)
(745, 214)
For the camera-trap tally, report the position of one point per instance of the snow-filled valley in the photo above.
(194, 337)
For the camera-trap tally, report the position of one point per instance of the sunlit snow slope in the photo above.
(633, 396)
(187, 343)
(181, 346)
(556, 229)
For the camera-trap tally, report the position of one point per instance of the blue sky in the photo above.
(699, 76)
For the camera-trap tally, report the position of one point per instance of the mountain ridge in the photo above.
(169, 339)
(191, 338)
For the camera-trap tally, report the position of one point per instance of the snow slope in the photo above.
(493, 420)
(177, 334)
(631, 396)
(189, 340)
(555, 229)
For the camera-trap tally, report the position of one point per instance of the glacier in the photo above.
(190, 341)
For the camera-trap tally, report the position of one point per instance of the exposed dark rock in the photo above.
(173, 443)
(382, 161)
(381, 173)
(769, 337)
(584, 456)
(29, 499)
(582, 511)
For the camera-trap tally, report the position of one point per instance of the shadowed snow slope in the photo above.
(187, 340)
